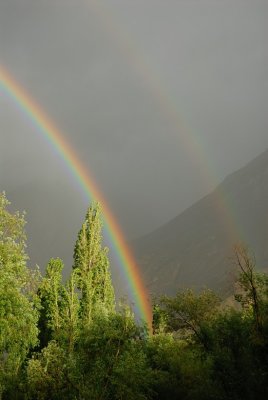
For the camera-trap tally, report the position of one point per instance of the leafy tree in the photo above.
(70, 312)
(179, 369)
(253, 297)
(70, 315)
(92, 266)
(253, 286)
(187, 312)
(160, 318)
(59, 315)
(112, 360)
(200, 349)
(238, 366)
(49, 374)
(18, 313)
(50, 293)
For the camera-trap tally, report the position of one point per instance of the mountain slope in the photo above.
(194, 249)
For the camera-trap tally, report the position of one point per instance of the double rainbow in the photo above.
(55, 137)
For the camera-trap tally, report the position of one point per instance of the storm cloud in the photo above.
(160, 100)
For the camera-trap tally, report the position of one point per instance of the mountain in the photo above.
(195, 248)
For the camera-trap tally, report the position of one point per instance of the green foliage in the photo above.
(70, 312)
(18, 313)
(188, 312)
(12, 240)
(179, 370)
(50, 293)
(230, 353)
(160, 319)
(59, 314)
(112, 360)
(92, 266)
(200, 350)
(49, 374)
(252, 287)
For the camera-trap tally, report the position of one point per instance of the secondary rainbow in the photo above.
(56, 138)
(186, 137)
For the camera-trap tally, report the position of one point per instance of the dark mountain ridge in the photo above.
(194, 249)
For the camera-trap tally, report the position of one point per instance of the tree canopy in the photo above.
(67, 339)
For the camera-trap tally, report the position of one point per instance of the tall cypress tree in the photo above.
(92, 265)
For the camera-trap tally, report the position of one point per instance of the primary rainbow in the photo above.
(53, 135)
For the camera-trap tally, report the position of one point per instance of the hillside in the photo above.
(194, 249)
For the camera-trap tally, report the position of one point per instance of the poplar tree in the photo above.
(50, 294)
(59, 316)
(92, 266)
(70, 311)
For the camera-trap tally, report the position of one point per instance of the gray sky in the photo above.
(160, 99)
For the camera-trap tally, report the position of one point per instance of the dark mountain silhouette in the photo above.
(195, 248)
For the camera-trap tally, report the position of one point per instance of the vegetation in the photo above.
(66, 340)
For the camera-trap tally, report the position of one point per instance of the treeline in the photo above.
(68, 340)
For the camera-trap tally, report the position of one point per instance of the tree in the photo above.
(187, 312)
(179, 369)
(70, 312)
(92, 266)
(253, 286)
(48, 375)
(112, 361)
(18, 312)
(50, 294)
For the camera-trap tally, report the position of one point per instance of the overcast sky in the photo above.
(161, 99)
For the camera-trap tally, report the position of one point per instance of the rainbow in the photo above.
(53, 136)
(190, 141)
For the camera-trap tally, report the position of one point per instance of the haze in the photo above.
(160, 100)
